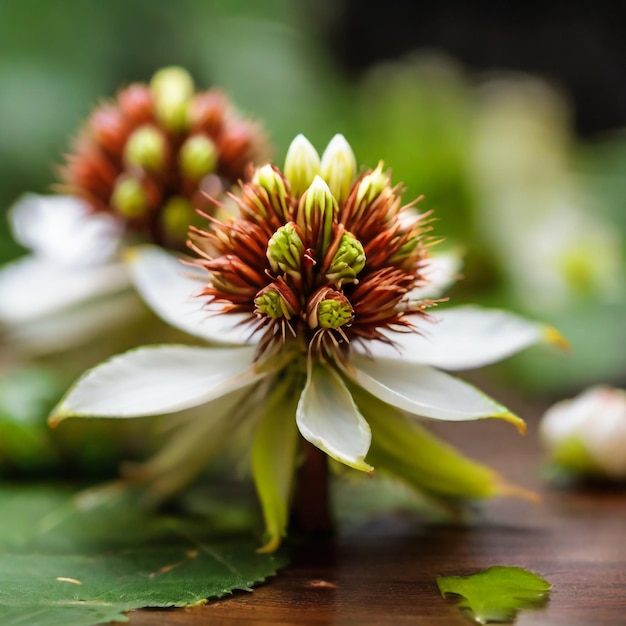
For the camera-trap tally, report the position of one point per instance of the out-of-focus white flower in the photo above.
(587, 434)
(137, 170)
(547, 235)
(319, 306)
(73, 285)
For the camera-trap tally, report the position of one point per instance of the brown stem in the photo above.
(311, 507)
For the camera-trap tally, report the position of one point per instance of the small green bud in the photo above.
(347, 262)
(130, 198)
(146, 148)
(270, 302)
(273, 183)
(172, 88)
(176, 217)
(302, 164)
(338, 167)
(372, 185)
(285, 250)
(333, 314)
(316, 213)
(329, 309)
(197, 157)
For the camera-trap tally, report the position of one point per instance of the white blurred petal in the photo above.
(64, 231)
(441, 272)
(170, 289)
(158, 379)
(31, 287)
(328, 417)
(71, 327)
(424, 391)
(463, 338)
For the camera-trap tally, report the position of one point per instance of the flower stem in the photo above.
(311, 506)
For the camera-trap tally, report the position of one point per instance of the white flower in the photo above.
(137, 170)
(316, 320)
(587, 434)
(72, 285)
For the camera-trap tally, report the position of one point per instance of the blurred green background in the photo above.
(526, 177)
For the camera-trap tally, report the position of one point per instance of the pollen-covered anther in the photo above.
(330, 309)
(146, 148)
(285, 250)
(347, 262)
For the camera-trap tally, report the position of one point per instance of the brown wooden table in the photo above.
(383, 572)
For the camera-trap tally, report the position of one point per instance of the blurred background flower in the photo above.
(508, 123)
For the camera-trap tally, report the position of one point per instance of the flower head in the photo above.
(157, 151)
(320, 289)
(315, 269)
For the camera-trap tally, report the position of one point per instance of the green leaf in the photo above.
(26, 397)
(80, 561)
(496, 594)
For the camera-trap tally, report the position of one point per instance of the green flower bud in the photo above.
(176, 217)
(372, 185)
(316, 213)
(172, 88)
(302, 164)
(270, 302)
(130, 198)
(146, 148)
(197, 157)
(285, 250)
(347, 262)
(338, 167)
(329, 309)
(273, 183)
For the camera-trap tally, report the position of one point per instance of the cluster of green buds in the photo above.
(158, 152)
(319, 255)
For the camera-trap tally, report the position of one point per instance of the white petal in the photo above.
(170, 289)
(328, 417)
(158, 379)
(463, 338)
(64, 230)
(75, 326)
(31, 287)
(425, 391)
(441, 272)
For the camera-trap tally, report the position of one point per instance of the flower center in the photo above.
(319, 257)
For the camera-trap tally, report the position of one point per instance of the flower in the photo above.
(318, 299)
(136, 169)
(587, 434)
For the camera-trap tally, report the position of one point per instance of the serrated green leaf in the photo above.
(497, 593)
(84, 561)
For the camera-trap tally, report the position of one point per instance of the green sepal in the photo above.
(407, 450)
(274, 453)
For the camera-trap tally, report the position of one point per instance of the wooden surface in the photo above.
(383, 572)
